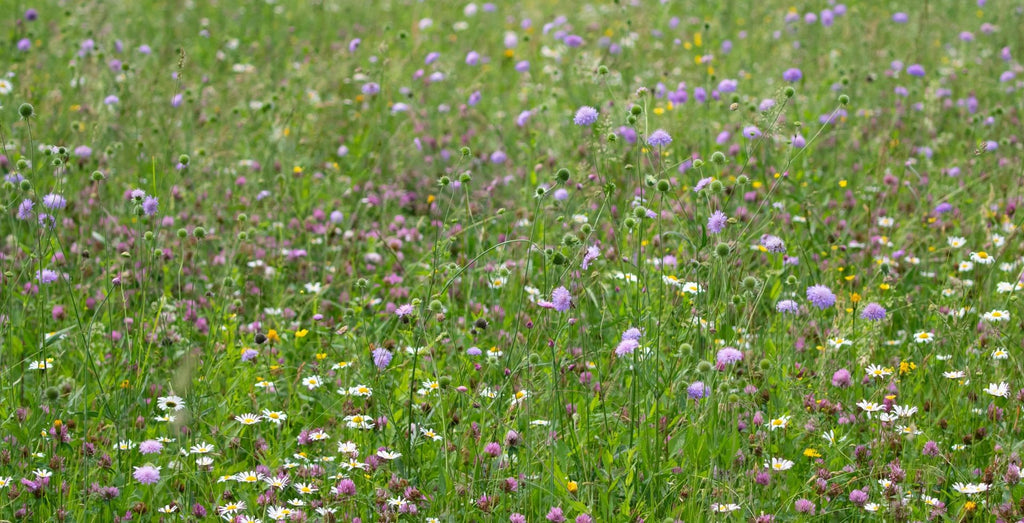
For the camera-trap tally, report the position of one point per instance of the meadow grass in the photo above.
(427, 261)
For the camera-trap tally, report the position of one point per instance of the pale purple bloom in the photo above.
(522, 66)
(799, 141)
(54, 201)
(555, 515)
(381, 358)
(472, 58)
(716, 222)
(751, 132)
(150, 446)
(147, 474)
(697, 390)
(915, 70)
(561, 299)
(787, 307)
(498, 157)
(403, 310)
(805, 506)
(150, 205)
(25, 209)
(702, 183)
(873, 312)
(111, 100)
(370, 88)
(659, 138)
(45, 276)
(585, 116)
(792, 75)
(573, 40)
(626, 346)
(722, 137)
(900, 18)
(821, 296)
(728, 355)
(24, 44)
(773, 243)
(841, 378)
(592, 253)
(431, 57)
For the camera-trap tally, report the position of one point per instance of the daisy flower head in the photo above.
(956, 241)
(877, 371)
(170, 403)
(965, 266)
(312, 382)
(779, 423)
(248, 419)
(923, 337)
(1000, 354)
(999, 390)
(273, 416)
(724, 507)
(430, 434)
(997, 316)
(779, 464)
(982, 257)
(885, 222)
(970, 489)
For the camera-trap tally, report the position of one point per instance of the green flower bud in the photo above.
(26, 110)
(718, 157)
(722, 250)
(562, 175)
(199, 232)
(664, 186)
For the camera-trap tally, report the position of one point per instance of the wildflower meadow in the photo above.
(431, 261)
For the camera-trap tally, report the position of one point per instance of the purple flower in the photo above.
(561, 299)
(573, 40)
(585, 116)
(150, 446)
(150, 206)
(147, 474)
(632, 333)
(54, 201)
(659, 138)
(592, 253)
(555, 515)
(751, 132)
(716, 222)
(370, 88)
(804, 506)
(24, 44)
(915, 70)
(523, 118)
(47, 276)
(31, 15)
(472, 58)
(474, 98)
(249, 354)
(431, 57)
(522, 66)
(787, 307)
(702, 183)
(517, 518)
(792, 75)
(728, 355)
(900, 18)
(626, 347)
(382, 358)
(697, 390)
(930, 449)
(25, 209)
(723, 137)
(403, 310)
(584, 518)
(498, 157)
(799, 141)
(821, 296)
(144, 49)
(841, 378)
(83, 152)
(111, 100)
(772, 243)
(873, 312)
(858, 497)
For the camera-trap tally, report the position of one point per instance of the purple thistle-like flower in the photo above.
(792, 75)
(805, 506)
(729, 355)
(842, 379)
(147, 474)
(787, 307)
(659, 138)
(403, 310)
(47, 276)
(382, 358)
(555, 515)
(702, 183)
(821, 296)
(915, 70)
(773, 243)
(697, 390)
(111, 100)
(517, 518)
(561, 299)
(370, 88)
(150, 446)
(873, 312)
(716, 222)
(632, 333)
(592, 253)
(751, 132)
(25, 209)
(54, 201)
(150, 206)
(626, 347)
(24, 44)
(585, 116)
(900, 18)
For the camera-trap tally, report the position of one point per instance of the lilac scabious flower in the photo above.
(716, 222)
(555, 515)
(150, 206)
(147, 474)
(821, 296)
(787, 307)
(873, 312)
(772, 243)
(249, 354)
(403, 310)
(585, 116)
(561, 299)
(498, 157)
(25, 209)
(431, 57)
(702, 183)
(573, 40)
(697, 390)
(799, 141)
(592, 253)
(382, 358)
(24, 44)
(632, 333)
(474, 98)
(728, 355)
(150, 446)
(626, 347)
(792, 75)
(83, 152)
(54, 201)
(842, 379)
(472, 58)
(370, 88)
(751, 132)
(915, 70)
(900, 18)
(659, 138)
(474, 351)
(522, 66)
(523, 118)
(47, 276)
(111, 100)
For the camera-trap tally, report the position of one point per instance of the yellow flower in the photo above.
(842, 183)
(884, 286)
(321, 355)
(812, 453)
(272, 335)
(907, 366)
(572, 486)
(855, 298)
(301, 333)
(126, 384)
(970, 505)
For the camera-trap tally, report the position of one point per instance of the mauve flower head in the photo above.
(584, 518)
(25, 209)
(561, 299)
(516, 518)
(522, 66)
(370, 88)
(474, 98)
(659, 138)
(873, 312)
(915, 70)
(47, 276)
(821, 296)
(431, 57)
(772, 243)
(858, 497)
(498, 157)
(841, 378)
(792, 75)
(150, 206)
(555, 515)
(24, 44)
(111, 100)
(702, 183)
(697, 390)
(728, 355)
(381, 358)
(472, 58)
(403, 310)
(728, 85)
(787, 307)
(804, 506)
(723, 137)
(799, 141)
(31, 15)
(716, 222)
(54, 201)
(900, 18)
(150, 446)
(585, 116)
(573, 40)
(751, 132)
(147, 474)
(626, 347)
